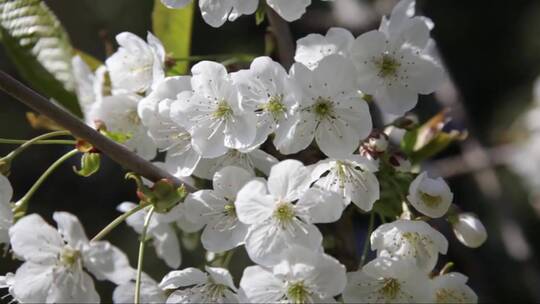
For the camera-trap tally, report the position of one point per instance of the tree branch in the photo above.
(115, 151)
(282, 33)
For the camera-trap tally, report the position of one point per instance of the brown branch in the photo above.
(282, 33)
(115, 151)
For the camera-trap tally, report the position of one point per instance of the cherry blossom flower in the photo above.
(311, 49)
(54, 260)
(469, 230)
(216, 209)
(451, 288)
(212, 113)
(216, 12)
(119, 114)
(331, 110)
(393, 66)
(154, 111)
(430, 196)
(415, 240)
(351, 177)
(267, 90)
(387, 280)
(283, 211)
(6, 214)
(136, 65)
(303, 276)
(191, 285)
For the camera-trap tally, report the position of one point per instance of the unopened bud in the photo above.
(374, 145)
(400, 162)
(468, 229)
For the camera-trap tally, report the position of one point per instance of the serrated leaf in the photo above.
(174, 28)
(39, 47)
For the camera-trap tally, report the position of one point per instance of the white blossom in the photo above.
(387, 280)
(393, 66)
(54, 260)
(154, 111)
(431, 197)
(469, 230)
(303, 276)
(6, 214)
(451, 288)
(267, 89)
(216, 12)
(314, 47)
(282, 211)
(136, 65)
(352, 178)
(191, 285)
(119, 114)
(331, 110)
(216, 209)
(212, 113)
(415, 240)
(249, 159)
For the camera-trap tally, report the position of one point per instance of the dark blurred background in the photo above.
(492, 52)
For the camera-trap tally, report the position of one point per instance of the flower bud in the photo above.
(407, 122)
(400, 162)
(374, 145)
(469, 230)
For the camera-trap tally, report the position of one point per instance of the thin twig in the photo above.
(115, 151)
(282, 33)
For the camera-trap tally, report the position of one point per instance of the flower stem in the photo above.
(366, 241)
(22, 204)
(28, 143)
(228, 257)
(117, 221)
(140, 260)
(39, 142)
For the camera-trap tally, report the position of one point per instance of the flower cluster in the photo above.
(217, 12)
(218, 125)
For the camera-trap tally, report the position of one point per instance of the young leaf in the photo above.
(173, 27)
(39, 47)
(90, 163)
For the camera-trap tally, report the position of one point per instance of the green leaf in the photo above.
(90, 163)
(39, 47)
(437, 144)
(174, 27)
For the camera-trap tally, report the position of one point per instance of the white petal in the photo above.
(425, 74)
(217, 239)
(253, 203)
(6, 191)
(215, 13)
(240, 131)
(263, 161)
(209, 142)
(35, 240)
(288, 180)
(320, 206)
(289, 10)
(73, 288)
(266, 242)
(70, 228)
(166, 243)
(229, 180)
(220, 276)
(396, 99)
(184, 164)
(183, 278)
(261, 286)
(150, 292)
(32, 282)
(107, 262)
